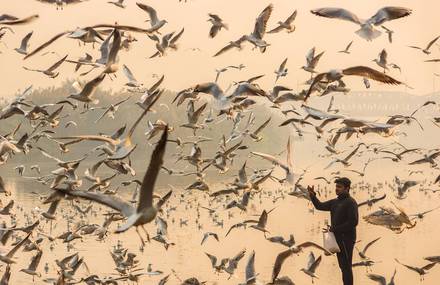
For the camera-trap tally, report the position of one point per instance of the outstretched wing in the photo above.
(147, 188)
(281, 257)
(261, 22)
(370, 73)
(370, 244)
(378, 278)
(337, 13)
(112, 202)
(388, 14)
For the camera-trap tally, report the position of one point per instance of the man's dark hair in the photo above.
(343, 181)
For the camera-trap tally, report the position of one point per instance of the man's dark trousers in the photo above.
(345, 257)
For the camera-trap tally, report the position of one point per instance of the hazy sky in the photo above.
(187, 67)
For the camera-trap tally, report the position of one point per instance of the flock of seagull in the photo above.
(68, 190)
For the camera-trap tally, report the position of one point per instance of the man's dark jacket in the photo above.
(343, 212)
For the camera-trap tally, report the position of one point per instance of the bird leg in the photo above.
(146, 233)
(139, 234)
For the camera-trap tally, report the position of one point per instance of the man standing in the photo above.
(344, 219)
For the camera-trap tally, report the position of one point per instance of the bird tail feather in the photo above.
(368, 32)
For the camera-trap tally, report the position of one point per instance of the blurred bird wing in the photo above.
(261, 22)
(112, 202)
(388, 14)
(149, 181)
(373, 74)
(337, 13)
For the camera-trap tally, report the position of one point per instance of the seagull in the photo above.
(371, 201)
(221, 99)
(282, 70)
(426, 50)
(111, 65)
(381, 280)
(7, 17)
(256, 37)
(85, 94)
(428, 158)
(281, 257)
(250, 274)
(132, 82)
(85, 60)
(207, 235)
(24, 44)
(254, 135)
(402, 188)
(32, 268)
(213, 259)
(145, 211)
(287, 167)
(286, 242)
(20, 169)
(367, 246)
(7, 209)
(382, 61)
(347, 48)
(421, 215)
(218, 72)
(118, 3)
(389, 32)
(168, 41)
(8, 257)
(422, 271)
(286, 25)
(217, 25)
(363, 71)
(312, 61)
(231, 45)
(11, 20)
(193, 116)
(345, 161)
(60, 3)
(50, 72)
(155, 23)
(312, 265)
(6, 276)
(367, 30)
(111, 110)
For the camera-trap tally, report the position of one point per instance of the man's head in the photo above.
(342, 185)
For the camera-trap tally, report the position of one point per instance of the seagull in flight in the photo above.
(363, 71)
(145, 212)
(367, 30)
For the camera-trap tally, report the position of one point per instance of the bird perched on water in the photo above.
(367, 30)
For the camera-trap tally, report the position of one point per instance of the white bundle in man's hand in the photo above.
(330, 243)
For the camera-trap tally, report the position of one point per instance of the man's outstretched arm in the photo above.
(322, 206)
